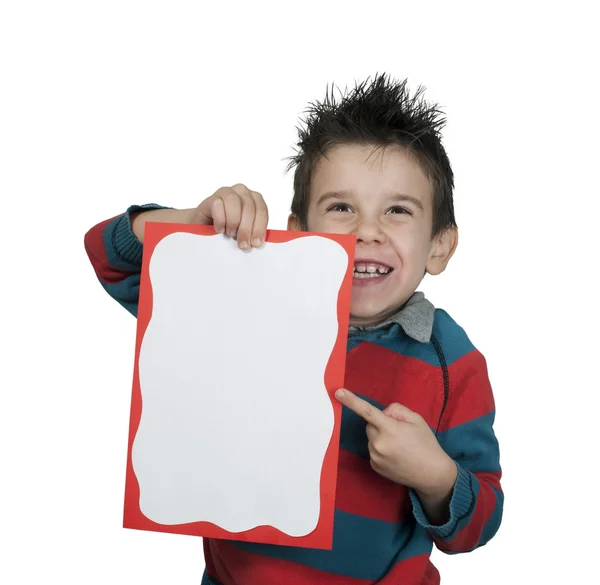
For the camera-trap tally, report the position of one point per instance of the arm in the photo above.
(115, 251)
(436, 503)
(114, 246)
(471, 511)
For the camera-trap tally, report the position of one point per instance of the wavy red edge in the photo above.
(322, 536)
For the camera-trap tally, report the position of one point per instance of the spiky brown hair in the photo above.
(379, 112)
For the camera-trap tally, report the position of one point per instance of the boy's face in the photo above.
(385, 199)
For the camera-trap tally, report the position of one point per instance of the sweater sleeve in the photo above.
(466, 434)
(116, 256)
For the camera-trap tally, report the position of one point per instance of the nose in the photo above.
(369, 230)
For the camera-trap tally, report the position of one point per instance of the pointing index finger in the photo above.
(366, 411)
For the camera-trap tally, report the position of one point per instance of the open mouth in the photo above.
(370, 270)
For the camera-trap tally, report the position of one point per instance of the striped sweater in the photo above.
(420, 358)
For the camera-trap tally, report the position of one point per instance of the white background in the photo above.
(105, 104)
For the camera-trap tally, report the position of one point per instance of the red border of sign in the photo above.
(322, 536)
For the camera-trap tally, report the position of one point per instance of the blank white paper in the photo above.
(235, 417)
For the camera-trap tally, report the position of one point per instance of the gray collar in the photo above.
(415, 317)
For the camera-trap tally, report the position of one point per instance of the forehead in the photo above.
(366, 170)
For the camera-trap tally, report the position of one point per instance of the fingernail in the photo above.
(221, 230)
(257, 242)
(339, 394)
(243, 245)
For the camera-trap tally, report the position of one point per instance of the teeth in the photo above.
(369, 270)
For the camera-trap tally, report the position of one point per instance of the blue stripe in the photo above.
(208, 580)
(353, 430)
(473, 444)
(363, 548)
(109, 245)
(462, 507)
(452, 337)
(419, 544)
(395, 339)
(453, 340)
(126, 293)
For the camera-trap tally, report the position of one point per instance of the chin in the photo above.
(373, 313)
(364, 315)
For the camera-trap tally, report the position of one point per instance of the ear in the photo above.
(293, 223)
(442, 249)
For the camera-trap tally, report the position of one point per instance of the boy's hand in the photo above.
(403, 448)
(236, 211)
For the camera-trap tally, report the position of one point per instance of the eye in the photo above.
(340, 207)
(398, 210)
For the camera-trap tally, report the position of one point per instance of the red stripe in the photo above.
(94, 246)
(391, 377)
(470, 391)
(469, 536)
(232, 566)
(363, 492)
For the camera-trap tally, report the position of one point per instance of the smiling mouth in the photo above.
(370, 270)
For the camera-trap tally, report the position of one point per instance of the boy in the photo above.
(419, 461)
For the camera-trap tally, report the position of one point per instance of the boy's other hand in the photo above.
(403, 448)
(236, 211)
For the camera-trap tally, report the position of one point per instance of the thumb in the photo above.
(400, 412)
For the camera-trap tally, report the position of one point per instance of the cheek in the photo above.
(405, 243)
(411, 247)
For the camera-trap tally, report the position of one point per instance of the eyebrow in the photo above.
(398, 197)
